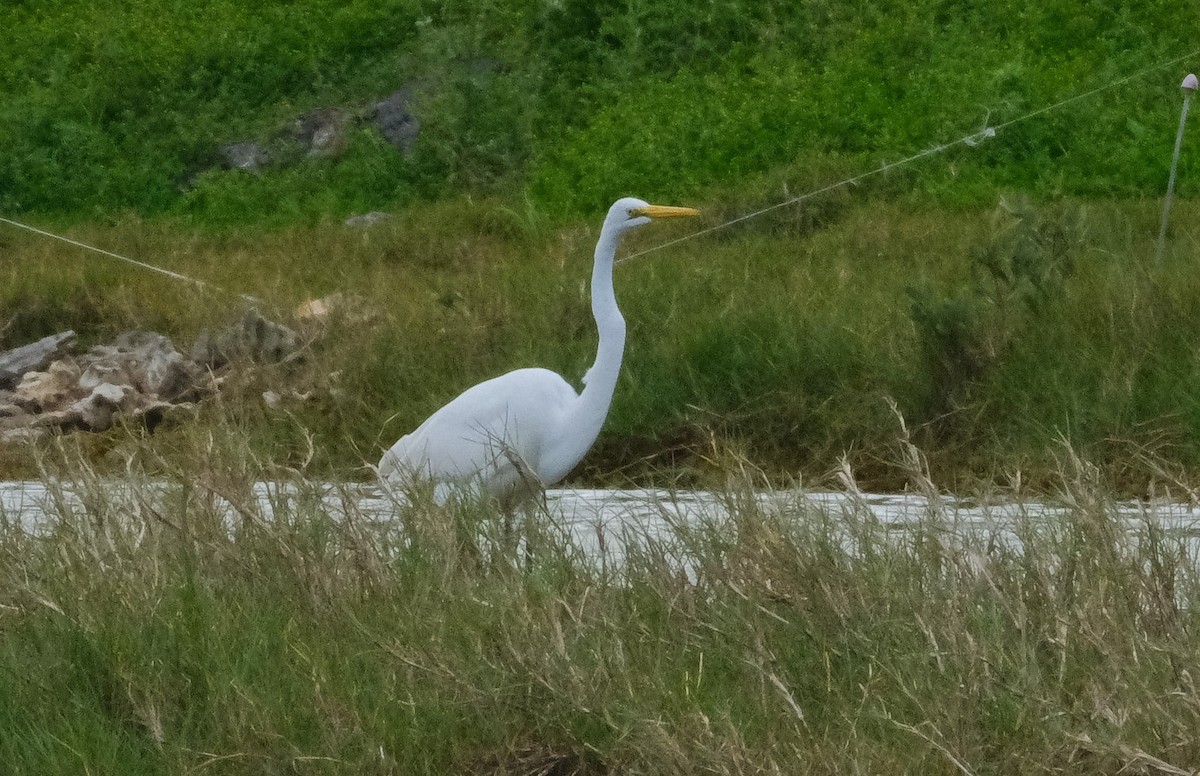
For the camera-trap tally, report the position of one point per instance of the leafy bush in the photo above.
(1018, 280)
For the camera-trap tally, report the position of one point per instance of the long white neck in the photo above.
(583, 421)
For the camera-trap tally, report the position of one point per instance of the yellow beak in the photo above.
(664, 211)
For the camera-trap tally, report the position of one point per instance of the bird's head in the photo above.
(631, 212)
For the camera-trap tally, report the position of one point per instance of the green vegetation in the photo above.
(998, 332)
(996, 306)
(140, 635)
(110, 107)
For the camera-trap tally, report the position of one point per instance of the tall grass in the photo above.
(998, 331)
(172, 625)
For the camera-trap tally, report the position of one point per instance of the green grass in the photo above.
(138, 635)
(104, 110)
(997, 331)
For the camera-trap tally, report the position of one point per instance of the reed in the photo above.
(168, 622)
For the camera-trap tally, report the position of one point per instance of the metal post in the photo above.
(1189, 86)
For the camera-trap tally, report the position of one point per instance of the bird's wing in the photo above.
(481, 429)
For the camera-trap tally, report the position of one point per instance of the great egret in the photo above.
(513, 435)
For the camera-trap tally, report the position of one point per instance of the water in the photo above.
(606, 522)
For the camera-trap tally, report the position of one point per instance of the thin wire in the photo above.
(1098, 89)
(972, 140)
(135, 262)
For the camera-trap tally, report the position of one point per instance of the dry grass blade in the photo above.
(311, 627)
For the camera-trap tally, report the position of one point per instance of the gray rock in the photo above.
(151, 360)
(394, 119)
(114, 371)
(13, 417)
(153, 413)
(245, 155)
(43, 391)
(254, 338)
(140, 376)
(320, 132)
(325, 132)
(96, 411)
(113, 395)
(16, 363)
(8, 405)
(367, 219)
(65, 419)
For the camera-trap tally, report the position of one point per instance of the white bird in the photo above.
(514, 435)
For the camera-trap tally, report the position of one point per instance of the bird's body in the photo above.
(510, 436)
(497, 435)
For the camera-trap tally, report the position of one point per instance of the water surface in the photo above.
(605, 523)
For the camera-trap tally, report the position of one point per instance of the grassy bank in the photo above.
(997, 331)
(138, 635)
(107, 109)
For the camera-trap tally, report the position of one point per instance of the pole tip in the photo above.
(1190, 83)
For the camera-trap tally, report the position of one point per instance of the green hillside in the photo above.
(111, 107)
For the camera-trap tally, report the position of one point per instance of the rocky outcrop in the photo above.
(321, 133)
(140, 377)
